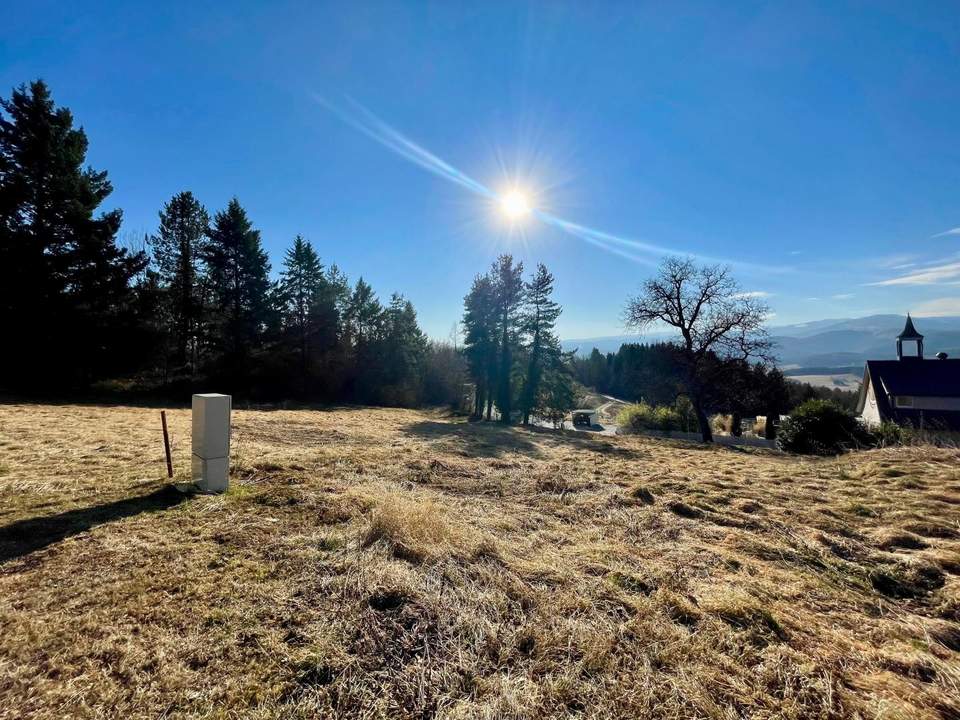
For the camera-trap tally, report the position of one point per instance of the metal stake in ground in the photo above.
(166, 443)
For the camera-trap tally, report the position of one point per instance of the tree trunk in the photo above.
(704, 423)
(769, 429)
(736, 424)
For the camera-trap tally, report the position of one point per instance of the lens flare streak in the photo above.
(365, 121)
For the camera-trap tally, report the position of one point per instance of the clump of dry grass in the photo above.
(890, 539)
(642, 494)
(907, 579)
(395, 563)
(679, 507)
(419, 530)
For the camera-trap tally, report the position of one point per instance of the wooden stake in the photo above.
(166, 443)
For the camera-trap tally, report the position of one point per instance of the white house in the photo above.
(912, 391)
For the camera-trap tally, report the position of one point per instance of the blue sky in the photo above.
(815, 146)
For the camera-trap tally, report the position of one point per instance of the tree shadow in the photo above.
(23, 537)
(589, 440)
(492, 440)
(476, 439)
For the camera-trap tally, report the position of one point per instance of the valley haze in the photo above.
(832, 343)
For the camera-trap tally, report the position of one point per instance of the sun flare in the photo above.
(515, 205)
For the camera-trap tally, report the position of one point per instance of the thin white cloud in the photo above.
(893, 262)
(951, 231)
(940, 307)
(945, 274)
(754, 294)
(842, 296)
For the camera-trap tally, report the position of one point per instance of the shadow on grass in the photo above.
(492, 440)
(476, 439)
(26, 536)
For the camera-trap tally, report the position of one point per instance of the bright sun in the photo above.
(515, 205)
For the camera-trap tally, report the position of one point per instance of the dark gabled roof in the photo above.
(917, 378)
(923, 378)
(909, 331)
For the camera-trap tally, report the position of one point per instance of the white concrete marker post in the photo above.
(211, 442)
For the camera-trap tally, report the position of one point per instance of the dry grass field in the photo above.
(390, 563)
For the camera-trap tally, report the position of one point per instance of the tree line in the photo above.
(194, 304)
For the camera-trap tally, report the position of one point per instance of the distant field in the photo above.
(391, 563)
(843, 381)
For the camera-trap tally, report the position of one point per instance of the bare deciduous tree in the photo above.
(715, 320)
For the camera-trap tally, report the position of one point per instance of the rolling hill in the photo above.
(823, 343)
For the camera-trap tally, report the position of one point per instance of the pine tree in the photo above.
(540, 313)
(508, 285)
(556, 395)
(302, 290)
(480, 340)
(68, 284)
(364, 315)
(404, 347)
(240, 287)
(178, 249)
(363, 323)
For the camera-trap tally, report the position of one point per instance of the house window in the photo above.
(904, 401)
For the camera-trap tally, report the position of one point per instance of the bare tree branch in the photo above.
(713, 317)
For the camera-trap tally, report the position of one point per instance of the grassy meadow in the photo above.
(396, 563)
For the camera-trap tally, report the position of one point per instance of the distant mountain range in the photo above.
(823, 343)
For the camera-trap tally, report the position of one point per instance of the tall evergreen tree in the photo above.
(364, 314)
(302, 289)
(404, 347)
(68, 284)
(556, 395)
(540, 313)
(239, 269)
(363, 322)
(508, 285)
(480, 341)
(178, 250)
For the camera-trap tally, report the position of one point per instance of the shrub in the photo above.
(820, 427)
(638, 416)
(643, 416)
(722, 423)
(890, 434)
(666, 418)
(686, 414)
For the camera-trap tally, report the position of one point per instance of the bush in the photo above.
(686, 414)
(667, 418)
(643, 416)
(722, 423)
(638, 416)
(820, 427)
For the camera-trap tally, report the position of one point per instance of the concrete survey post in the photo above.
(211, 441)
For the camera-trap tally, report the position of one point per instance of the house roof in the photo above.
(917, 378)
(924, 378)
(909, 331)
